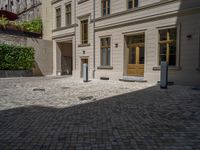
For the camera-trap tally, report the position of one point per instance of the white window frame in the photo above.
(178, 28)
(69, 3)
(111, 52)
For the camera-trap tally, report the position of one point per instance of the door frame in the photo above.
(126, 49)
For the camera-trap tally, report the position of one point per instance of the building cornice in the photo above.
(142, 8)
(55, 1)
(64, 28)
(82, 1)
(63, 36)
(85, 16)
(149, 18)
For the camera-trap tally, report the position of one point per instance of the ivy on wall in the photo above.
(16, 57)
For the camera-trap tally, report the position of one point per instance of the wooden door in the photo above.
(136, 60)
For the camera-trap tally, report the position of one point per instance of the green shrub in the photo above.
(30, 26)
(3, 22)
(16, 57)
(33, 26)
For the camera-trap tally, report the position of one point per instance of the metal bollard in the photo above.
(164, 75)
(85, 72)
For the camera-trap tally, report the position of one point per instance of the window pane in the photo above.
(84, 31)
(58, 17)
(136, 3)
(108, 11)
(108, 41)
(163, 35)
(132, 56)
(105, 7)
(104, 57)
(130, 4)
(172, 48)
(163, 49)
(68, 14)
(141, 59)
(172, 60)
(136, 39)
(172, 33)
(108, 7)
(163, 58)
(108, 57)
(104, 12)
(58, 22)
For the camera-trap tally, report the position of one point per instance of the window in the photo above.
(167, 44)
(105, 7)
(58, 17)
(132, 4)
(68, 14)
(105, 51)
(84, 31)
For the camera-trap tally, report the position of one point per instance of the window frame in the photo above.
(167, 42)
(108, 8)
(133, 4)
(84, 41)
(68, 13)
(58, 16)
(101, 52)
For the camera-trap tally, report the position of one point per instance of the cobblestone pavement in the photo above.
(63, 114)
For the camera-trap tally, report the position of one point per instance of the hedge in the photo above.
(16, 57)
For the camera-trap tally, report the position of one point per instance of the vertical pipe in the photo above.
(93, 39)
(199, 52)
(75, 35)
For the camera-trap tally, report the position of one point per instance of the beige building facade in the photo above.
(127, 39)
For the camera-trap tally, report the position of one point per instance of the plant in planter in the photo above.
(3, 22)
(33, 26)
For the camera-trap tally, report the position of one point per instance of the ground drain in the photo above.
(40, 90)
(65, 88)
(86, 98)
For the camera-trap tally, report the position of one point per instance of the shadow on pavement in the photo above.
(146, 119)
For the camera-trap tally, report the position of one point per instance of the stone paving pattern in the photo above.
(64, 114)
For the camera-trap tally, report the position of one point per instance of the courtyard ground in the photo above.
(62, 113)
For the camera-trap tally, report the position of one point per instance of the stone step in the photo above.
(132, 79)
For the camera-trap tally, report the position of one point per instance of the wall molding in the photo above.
(149, 18)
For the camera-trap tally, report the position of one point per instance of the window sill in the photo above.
(169, 68)
(82, 1)
(84, 45)
(105, 67)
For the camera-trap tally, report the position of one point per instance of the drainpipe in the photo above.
(74, 36)
(93, 39)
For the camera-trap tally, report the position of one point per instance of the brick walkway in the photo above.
(58, 114)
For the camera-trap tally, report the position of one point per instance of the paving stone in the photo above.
(98, 115)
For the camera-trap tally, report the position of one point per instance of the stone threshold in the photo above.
(132, 79)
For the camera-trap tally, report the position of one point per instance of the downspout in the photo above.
(93, 39)
(75, 36)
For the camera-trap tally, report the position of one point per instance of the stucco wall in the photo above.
(43, 52)
(149, 18)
